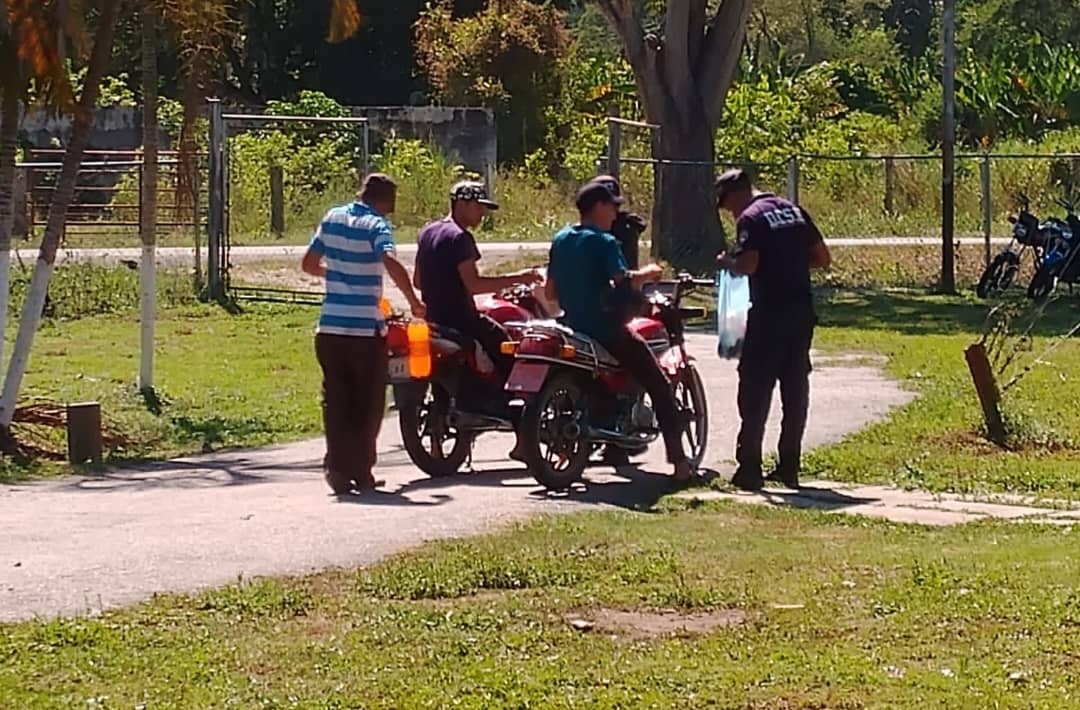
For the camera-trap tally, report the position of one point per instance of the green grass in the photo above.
(937, 442)
(223, 380)
(836, 613)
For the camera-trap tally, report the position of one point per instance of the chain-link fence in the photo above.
(883, 199)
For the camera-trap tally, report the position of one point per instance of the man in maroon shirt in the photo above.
(448, 278)
(777, 245)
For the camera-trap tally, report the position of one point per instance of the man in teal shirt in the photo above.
(589, 277)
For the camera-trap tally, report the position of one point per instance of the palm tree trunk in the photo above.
(9, 128)
(58, 209)
(148, 199)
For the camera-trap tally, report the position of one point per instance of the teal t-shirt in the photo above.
(583, 262)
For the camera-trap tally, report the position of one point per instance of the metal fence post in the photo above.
(614, 142)
(890, 185)
(216, 217)
(987, 206)
(367, 149)
(793, 179)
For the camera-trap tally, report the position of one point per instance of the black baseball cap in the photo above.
(729, 182)
(470, 191)
(593, 193)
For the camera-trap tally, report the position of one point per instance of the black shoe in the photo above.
(747, 481)
(784, 478)
(615, 457)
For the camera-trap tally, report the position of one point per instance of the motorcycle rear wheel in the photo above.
(425, 431)
(552, 436)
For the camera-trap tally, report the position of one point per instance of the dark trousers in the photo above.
(490, 335)
(354, 401)
(776, 347)
(633, 353)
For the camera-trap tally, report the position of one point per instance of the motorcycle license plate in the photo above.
(397, 369)
(527, 377)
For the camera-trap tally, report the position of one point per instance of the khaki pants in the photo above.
(354, 401)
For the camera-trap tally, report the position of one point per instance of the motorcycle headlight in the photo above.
(1020, 230)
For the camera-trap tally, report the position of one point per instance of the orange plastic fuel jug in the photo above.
(419, 335)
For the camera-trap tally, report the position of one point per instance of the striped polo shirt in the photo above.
(352, 239)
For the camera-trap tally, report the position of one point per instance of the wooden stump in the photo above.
(986, 387)
(84, 433)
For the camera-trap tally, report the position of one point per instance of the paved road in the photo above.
(182, 256)
(83, 544)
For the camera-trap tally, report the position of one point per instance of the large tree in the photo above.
(683, 74)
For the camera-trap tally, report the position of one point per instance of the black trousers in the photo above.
(490, 335)
(354, 401)
(633, 353)
(776, 348)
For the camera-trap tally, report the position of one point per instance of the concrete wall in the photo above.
(466, 135)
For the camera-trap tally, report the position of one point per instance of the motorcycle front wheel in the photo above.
(693, 406)
(1043, 282)
(997, 276)
(552, 433)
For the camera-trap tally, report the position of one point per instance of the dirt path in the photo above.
(82, 544)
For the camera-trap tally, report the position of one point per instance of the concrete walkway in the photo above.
(901, 506)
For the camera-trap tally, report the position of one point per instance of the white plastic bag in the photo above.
(732, 309)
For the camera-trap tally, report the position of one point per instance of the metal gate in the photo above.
(219, 228)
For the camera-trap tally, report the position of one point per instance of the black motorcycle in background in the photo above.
(1001, 273)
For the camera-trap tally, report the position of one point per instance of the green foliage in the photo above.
(506, 58)
(424, 178)
(79, 290)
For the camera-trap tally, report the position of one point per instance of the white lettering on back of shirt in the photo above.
(784, 217)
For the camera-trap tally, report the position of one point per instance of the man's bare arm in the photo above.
(312, 264)
(400, 276)
(820, 257)
(478, 285)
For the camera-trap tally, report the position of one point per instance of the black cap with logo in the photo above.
(595, 192)
(470, 191)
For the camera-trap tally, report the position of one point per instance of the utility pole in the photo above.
(948, 151)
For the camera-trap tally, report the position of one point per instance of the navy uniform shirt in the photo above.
(782, 234)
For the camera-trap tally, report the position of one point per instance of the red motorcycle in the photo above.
(576, 398)
(442, 413)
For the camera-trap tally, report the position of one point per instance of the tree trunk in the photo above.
(685, 228)
(148, 199)
(683, 79)
(58, 208)
(9, 128)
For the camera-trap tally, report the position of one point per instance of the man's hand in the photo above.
(652, 273)
(419, 310)
(744, 264)
(528, 277)
(725, 261)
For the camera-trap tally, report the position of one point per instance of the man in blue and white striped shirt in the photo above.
(351, 249)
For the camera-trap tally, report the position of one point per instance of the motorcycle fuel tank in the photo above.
(501, 311)
(648, 329)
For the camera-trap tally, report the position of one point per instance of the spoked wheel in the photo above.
(436, 448)
(693, 406)
(998, 276)
(1043, 283)
(551, 434)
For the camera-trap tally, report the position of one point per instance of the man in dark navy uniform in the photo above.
(777, 245)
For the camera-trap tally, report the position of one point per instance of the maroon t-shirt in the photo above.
(441, 247)
(782, 234)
